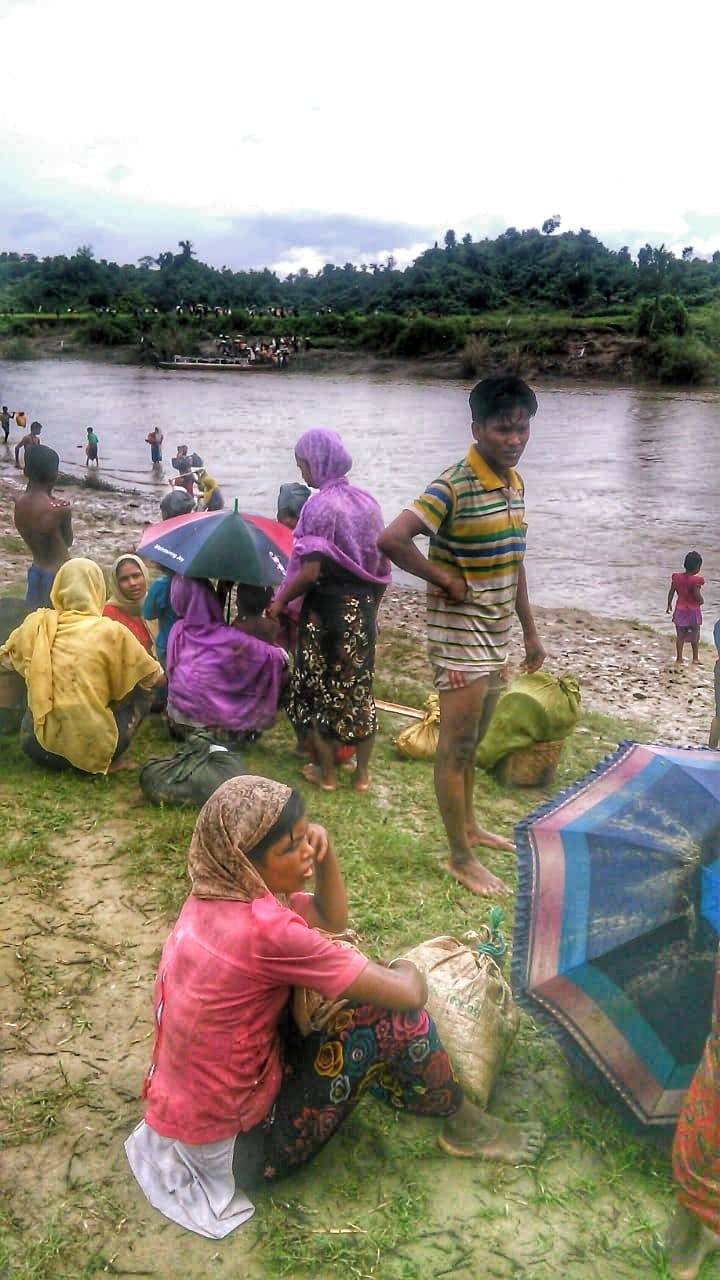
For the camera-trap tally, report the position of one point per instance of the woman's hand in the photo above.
(397, 985)
(328, 907)
(319, 841)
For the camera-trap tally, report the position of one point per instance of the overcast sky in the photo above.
(294, 134)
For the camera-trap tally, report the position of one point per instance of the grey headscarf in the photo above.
(292, 498)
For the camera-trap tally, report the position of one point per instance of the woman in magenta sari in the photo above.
(340, 573)
(218, 678)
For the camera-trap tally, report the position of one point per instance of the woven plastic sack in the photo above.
(472, 1007)
(419, 741)
(190, 775)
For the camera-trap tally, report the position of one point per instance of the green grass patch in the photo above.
(381, 1201)
(10, 542)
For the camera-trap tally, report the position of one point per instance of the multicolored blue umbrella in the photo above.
(617, 922)
(221, 544)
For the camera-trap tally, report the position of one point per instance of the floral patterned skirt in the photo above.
(397, 1057)
(332, 681)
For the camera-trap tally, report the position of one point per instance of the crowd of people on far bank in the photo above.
(235, 1095)
(272, 351)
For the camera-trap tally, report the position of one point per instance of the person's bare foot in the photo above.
(477, 836)
(120, 766)
(312, 774)
(361, 780)
(484, 1137)
(472, 875)
(689, 1244)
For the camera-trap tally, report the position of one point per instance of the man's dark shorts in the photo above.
(39, 586)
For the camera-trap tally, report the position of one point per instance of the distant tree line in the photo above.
(537, 269)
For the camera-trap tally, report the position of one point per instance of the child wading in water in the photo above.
(688, 614)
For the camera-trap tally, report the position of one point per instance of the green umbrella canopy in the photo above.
(229, 552)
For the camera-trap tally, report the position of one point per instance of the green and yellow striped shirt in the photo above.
(477, 529)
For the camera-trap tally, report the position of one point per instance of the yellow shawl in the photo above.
(76, 664)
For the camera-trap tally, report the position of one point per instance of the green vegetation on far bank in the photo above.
(554, 344)
(536, 301)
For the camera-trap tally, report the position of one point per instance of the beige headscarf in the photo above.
(116, 597)
(230, 824)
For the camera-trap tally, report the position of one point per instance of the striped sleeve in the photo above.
(435, 505)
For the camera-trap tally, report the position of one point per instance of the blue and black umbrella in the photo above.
(221, 544)
(618, 919)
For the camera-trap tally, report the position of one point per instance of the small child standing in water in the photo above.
(688, 614)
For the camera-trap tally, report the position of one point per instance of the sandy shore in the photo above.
(625, 669)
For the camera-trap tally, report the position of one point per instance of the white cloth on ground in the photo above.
(193, 1185)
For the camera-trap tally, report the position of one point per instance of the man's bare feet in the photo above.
(472, 875)
(689, 1244)
(361, 780)
(312, 774)
(488, 839)
(483, 1137)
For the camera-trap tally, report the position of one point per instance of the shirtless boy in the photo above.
(28, 442)
(5, 419)
(44, 523)
(474, 514)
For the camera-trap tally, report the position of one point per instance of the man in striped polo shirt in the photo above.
(474, 514)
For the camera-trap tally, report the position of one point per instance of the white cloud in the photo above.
(476, 117)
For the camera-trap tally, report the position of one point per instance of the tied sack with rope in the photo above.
(470, 1002)
(419, 741)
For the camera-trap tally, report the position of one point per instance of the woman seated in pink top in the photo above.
(128, 589)
(235, 1094)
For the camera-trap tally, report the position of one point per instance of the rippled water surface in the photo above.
(620, 482)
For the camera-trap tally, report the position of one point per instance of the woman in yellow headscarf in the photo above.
(211, 498)
(88, 679)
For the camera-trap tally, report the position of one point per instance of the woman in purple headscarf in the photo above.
(337, 567)
(218, 678)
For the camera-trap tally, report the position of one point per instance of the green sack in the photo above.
(535, 707)
(190, 776)
(13, 695)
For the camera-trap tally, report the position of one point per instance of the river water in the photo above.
(620, 482)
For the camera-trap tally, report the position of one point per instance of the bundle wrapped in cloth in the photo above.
(533, 716)
(419, 741)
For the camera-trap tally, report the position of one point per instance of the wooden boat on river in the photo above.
(224, 364)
